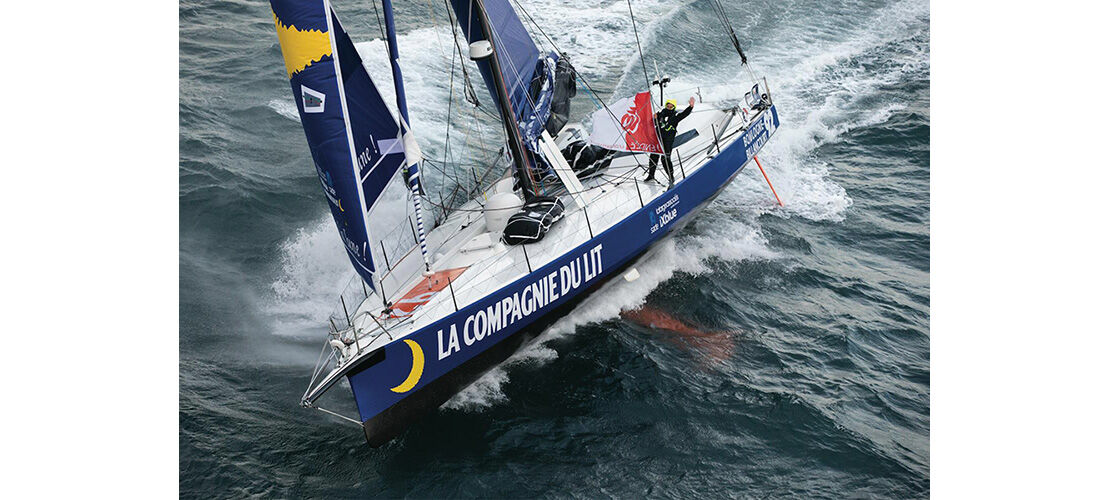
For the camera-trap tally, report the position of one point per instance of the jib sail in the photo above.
(352, 135)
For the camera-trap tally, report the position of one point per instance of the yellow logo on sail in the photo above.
(301, 48)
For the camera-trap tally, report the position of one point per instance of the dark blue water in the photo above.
(799, 365)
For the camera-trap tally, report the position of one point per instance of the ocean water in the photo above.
(765, 352)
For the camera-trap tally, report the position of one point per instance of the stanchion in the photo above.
(384, 255)
(451, 287)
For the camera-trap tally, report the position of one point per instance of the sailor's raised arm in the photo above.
(685, 112)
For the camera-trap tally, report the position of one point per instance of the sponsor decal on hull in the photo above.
(758, 134)
(522, 303)
(416, 371)
(664, 213)
(449, 343)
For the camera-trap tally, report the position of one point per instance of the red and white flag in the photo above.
(627, 125)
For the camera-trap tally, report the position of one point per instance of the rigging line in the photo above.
(593, 93)
(577, 75)
(468, 91)
(319, 368)
(468, 144)
(469, 140)
(722, 16)
(438, 168)
(450, 101)
(478, 145)
(447, 141)
(349, 419)
(471, 95)
(435, 23)
(381, 30)
(643, 64)
(538, 27)
(472, 124)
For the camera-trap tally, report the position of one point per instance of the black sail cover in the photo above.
(586, 159)
(565, 89)
(534, 219)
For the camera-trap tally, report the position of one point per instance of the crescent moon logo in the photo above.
(417, 368)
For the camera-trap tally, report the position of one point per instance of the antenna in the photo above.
(661, 82)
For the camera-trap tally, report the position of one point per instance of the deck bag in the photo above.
(586, 159)
(531, 223)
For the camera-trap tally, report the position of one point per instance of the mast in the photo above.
(412, 150)
(516, 144)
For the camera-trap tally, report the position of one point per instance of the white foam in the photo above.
(486, 391)
(284, 107)
(482, 394)
(820, 98)
(314, 269)
(686, 254)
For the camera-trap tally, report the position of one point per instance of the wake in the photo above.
(820, 96)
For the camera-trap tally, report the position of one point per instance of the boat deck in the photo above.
(469, 263)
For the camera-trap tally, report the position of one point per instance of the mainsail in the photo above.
(528, 79)
(518, 52)
(353, 137)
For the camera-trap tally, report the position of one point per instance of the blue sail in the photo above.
(519, 56)
(353, 137)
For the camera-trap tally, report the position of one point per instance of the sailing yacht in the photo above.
(429, 317)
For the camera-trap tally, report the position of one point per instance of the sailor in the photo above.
(666, 122)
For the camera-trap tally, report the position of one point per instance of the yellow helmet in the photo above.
(672, 102)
